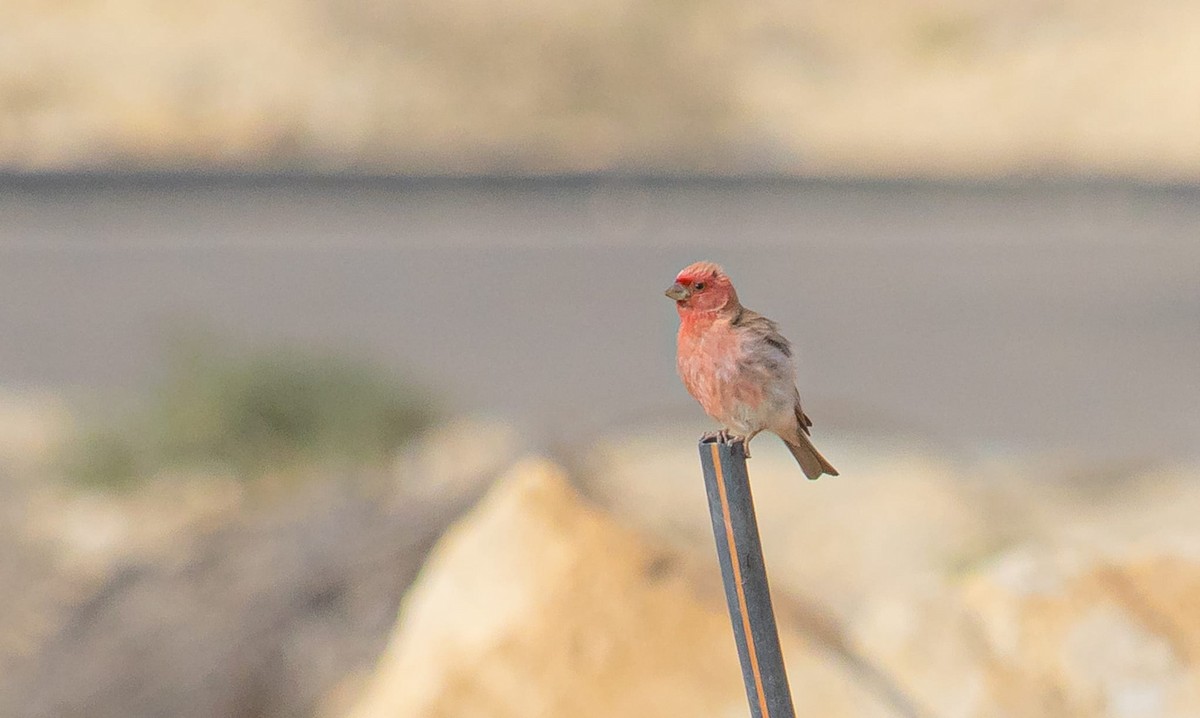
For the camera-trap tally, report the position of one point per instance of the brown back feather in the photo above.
(768, 331)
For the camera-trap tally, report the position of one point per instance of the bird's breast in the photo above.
(710, 362)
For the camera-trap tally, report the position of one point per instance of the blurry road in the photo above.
(1047, 316)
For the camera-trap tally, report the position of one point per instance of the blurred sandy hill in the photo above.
(538, 604)
(915, 585)
(968, 88)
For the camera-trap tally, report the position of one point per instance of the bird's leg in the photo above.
(746, 442)
(718, 436)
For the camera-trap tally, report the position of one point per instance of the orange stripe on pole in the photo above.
(737, 579)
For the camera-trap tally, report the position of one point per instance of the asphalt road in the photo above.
(1039, 316)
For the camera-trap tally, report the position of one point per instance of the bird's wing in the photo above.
(801, 417)
(762, 329)
(767, 331)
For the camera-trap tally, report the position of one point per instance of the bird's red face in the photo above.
(701, 287)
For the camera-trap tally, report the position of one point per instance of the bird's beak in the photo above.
(678, 292)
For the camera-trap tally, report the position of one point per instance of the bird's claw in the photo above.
(724, 437)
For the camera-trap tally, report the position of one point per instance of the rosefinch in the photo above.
(738, 366)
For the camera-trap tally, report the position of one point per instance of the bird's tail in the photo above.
(809, 458)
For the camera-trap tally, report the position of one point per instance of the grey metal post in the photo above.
(745, 576)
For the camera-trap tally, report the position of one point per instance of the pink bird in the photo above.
(739, 367)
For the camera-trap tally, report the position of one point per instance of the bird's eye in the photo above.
(700, 287)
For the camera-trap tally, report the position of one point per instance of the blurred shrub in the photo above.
(102, 458)
(256, 412)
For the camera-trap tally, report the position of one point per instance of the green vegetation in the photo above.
(102, 458)
(254, 413)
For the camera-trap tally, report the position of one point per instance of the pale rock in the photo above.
(537, 605)
(1102, 637)
(928, 647)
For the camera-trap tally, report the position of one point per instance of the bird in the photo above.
(737, 365)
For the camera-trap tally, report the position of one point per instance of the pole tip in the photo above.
(726, 445)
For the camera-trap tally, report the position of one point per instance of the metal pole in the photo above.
(745, 576)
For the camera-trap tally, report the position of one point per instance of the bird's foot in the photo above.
(746, 442)
(721, 437)
(724, 437)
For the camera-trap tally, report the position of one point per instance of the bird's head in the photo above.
(702, 287)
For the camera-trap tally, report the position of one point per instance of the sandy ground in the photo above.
(931, 88)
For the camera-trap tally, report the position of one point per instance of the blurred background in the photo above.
(336, 378)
